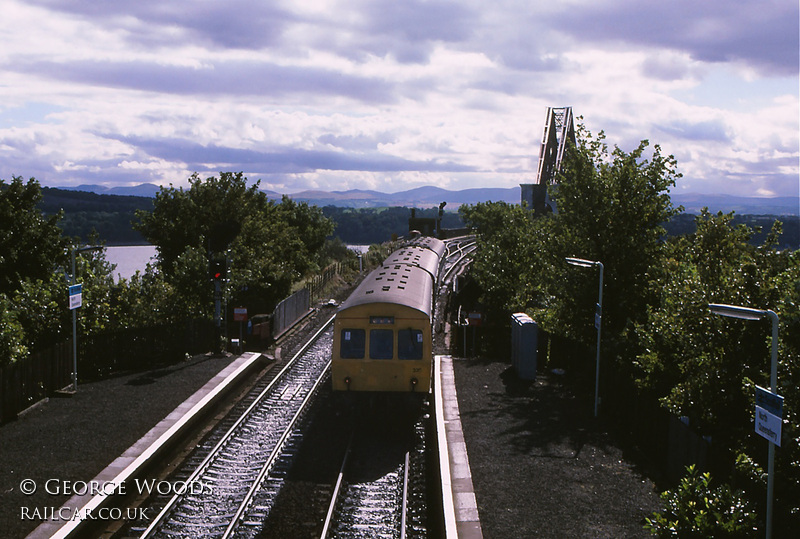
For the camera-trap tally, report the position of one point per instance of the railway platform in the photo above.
(132, 462)
(459, 504)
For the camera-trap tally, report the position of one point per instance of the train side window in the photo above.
(353, 343)
(380, 344)
(409, 344)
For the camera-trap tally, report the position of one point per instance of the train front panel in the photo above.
(382, 347)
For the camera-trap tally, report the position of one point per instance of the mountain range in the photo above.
(430, 196)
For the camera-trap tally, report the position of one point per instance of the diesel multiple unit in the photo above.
(382, 334)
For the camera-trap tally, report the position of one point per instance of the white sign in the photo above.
(75, 296)
(769, 415)
(768, 425)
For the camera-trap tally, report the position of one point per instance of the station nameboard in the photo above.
(769, 415)
(75, 296)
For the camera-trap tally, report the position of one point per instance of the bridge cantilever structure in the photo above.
(559, 128)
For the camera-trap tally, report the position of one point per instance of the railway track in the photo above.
(457, 255)
(381, 487)
(232, 482)
(228, 486)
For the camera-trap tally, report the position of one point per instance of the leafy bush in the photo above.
(694, 509)
(11, 334)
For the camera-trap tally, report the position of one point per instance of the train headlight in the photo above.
(347, 381)
(414, 383)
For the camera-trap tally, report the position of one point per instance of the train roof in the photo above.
(416, 255)
(399, 284)
(428, 242)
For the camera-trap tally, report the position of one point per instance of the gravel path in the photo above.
(542, 466)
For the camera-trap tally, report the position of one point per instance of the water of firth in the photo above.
(132, 258)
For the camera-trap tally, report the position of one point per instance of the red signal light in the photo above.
(217, 269)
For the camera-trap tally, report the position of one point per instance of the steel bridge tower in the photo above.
(559, 128)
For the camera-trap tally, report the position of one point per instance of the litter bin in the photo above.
(524, 341)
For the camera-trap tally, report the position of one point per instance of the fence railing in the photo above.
(25, 382)
(136, 349)
(288, 311)
(316, 285)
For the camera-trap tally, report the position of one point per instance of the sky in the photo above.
(390, 95)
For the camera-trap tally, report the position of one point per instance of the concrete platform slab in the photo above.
(458, 495)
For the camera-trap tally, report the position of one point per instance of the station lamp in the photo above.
(747, 313)
(583, 263)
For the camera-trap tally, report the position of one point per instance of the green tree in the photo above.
(12, 335)
(510, 259)
(30, 244)
(611, 208)
(42, 304)
(706, 367)
(268, 245)
(682, 359)
(148, 299)
(34, 265)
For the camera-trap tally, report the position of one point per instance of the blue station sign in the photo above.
(75, 296)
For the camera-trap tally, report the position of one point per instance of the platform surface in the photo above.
(459, 502)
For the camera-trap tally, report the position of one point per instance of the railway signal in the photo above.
(218, 273)
(218, 269)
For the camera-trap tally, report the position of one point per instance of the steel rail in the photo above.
(464, 252)
(203, 466)
(404, 506)
(337, 494)
(273, 457)
(336, 489)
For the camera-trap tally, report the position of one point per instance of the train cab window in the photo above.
(353, 343)
(380, 344)
(409, 344)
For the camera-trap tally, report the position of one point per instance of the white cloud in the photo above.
(380, 95)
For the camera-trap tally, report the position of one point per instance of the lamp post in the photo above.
(75, 316)
(746, 313)
(582, 263)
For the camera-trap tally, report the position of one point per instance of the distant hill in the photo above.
(430, 196)
(111, 214)
(142, 190)
(108, 215)
(420, 197)
(693, 203)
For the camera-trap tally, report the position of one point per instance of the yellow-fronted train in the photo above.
(382, 339)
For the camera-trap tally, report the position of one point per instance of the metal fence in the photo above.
(40, 375)
(288, 311)
(25, 382)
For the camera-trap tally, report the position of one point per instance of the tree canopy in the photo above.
(660, 342)
(267, 245)
(30, 244)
